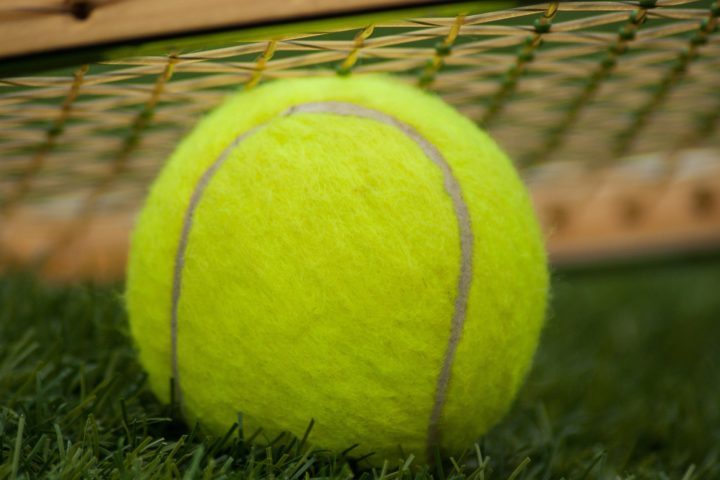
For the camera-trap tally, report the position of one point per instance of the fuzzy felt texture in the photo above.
(321, 271)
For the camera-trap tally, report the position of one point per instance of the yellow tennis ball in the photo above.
(351, 251)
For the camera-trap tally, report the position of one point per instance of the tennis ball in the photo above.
(351, 251)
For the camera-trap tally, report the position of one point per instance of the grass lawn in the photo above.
(626, 385)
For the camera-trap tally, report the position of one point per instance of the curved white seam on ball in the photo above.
(180, 257)
(462, 215)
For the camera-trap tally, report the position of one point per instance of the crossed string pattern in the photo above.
(563, 86)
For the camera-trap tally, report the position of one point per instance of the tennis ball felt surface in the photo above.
(348, 250)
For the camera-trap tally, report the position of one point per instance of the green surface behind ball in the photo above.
(348, 250)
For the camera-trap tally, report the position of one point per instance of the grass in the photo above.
(626, 385)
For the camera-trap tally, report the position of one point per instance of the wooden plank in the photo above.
(625, 221)
(28, 239)
(34, 26)
(582, 224)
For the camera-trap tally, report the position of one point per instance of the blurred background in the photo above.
(609, 109)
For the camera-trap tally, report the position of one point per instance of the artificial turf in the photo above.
(626, 384)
